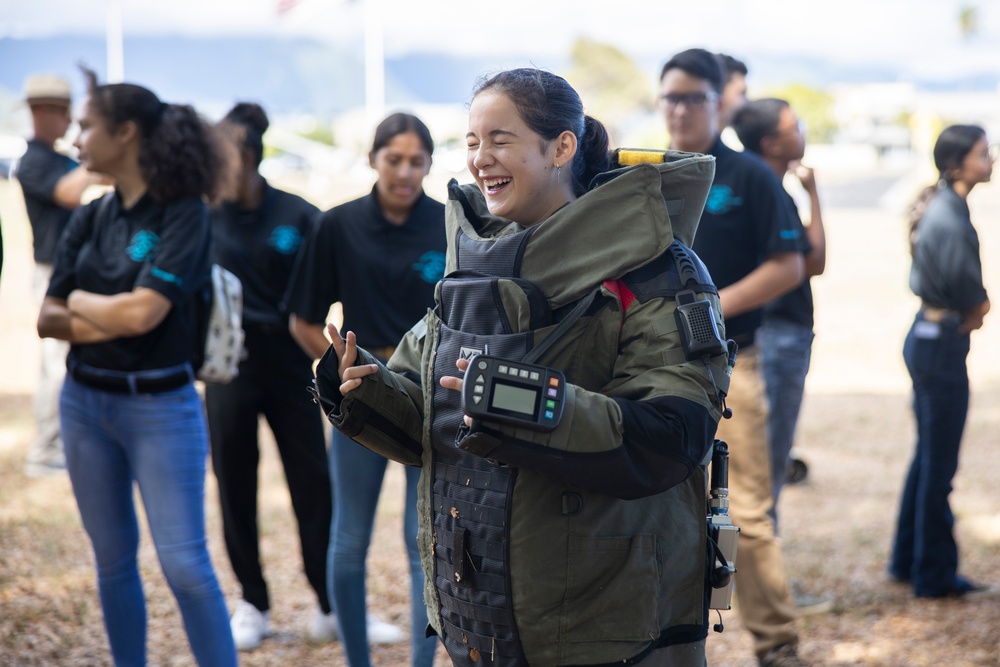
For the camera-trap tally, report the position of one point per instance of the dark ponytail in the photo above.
(550, 106)
(593, 153)
(252, 118)
(953, 145)
(180, 154)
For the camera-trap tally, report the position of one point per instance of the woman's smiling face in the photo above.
(512, 164)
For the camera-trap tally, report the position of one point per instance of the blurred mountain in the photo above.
(324, 78)
(285, 75)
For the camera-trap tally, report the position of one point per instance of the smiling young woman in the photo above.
(545, 547)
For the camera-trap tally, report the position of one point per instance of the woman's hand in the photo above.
(973, 318)
(450, 382)
(346, 350)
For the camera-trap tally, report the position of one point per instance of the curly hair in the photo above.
(550, 106)
(181, 155)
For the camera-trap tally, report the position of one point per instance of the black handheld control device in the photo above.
(514, 393)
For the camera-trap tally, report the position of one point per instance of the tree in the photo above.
(968, 20)
(614, 88)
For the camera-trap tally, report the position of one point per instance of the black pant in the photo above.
(273, 382)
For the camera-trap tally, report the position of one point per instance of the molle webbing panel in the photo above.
(470, 495)
(470, 513)
(500, 257)
(474, 303)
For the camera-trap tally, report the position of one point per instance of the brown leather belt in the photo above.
(382, 353)
(936, 315)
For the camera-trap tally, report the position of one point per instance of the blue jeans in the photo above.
(357, 475)
(924, 551)
(785, 350)
(159, 442)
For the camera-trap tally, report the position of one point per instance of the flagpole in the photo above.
(374, 62)
(114, 45)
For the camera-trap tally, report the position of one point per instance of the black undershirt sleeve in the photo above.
(665, 441)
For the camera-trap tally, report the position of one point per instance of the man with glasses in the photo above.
(52, 184)
(751, 245)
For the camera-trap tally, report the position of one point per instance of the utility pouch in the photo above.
(696, 326)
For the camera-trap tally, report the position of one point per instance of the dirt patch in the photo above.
(856, 435)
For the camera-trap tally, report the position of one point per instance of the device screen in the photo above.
(515, 399)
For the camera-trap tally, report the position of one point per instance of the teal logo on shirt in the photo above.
(165, 276)
(285, 239)
(722, 199)
(430, 266)
(143, 246)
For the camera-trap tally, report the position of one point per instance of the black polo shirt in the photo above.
(746, 220)
(38, 171)
(110, 250)
(383, 274)
(947, 271)
(797, 305)
(260, 248)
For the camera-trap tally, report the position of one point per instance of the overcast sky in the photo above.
(921, 35)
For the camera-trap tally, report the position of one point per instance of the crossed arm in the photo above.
(86, 317)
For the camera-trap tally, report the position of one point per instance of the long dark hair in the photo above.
(401, 123)
(550, 106)
(180, 155)
(953, 145)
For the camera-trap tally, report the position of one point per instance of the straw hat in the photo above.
(47, 89)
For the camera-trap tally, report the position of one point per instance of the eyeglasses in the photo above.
(696, 100)
(799, 128)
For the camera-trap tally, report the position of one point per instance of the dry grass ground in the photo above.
(856, 434)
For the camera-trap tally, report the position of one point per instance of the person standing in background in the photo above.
(126, 292)
(734, 88)
(380, 256)
(751, 244)
(257, 235)
(769, 128)
(52, 184)
(947, 275)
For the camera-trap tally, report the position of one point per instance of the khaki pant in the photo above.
(763, 597)
(47, 448)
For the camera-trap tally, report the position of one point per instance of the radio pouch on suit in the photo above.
(222, 328)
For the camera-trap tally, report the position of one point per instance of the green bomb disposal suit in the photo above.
(585, 545)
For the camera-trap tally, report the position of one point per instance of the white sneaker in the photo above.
(380, 632)
(323, 627)
(249, 626)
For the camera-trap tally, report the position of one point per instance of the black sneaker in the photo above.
(965, 590)
(785, 655)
